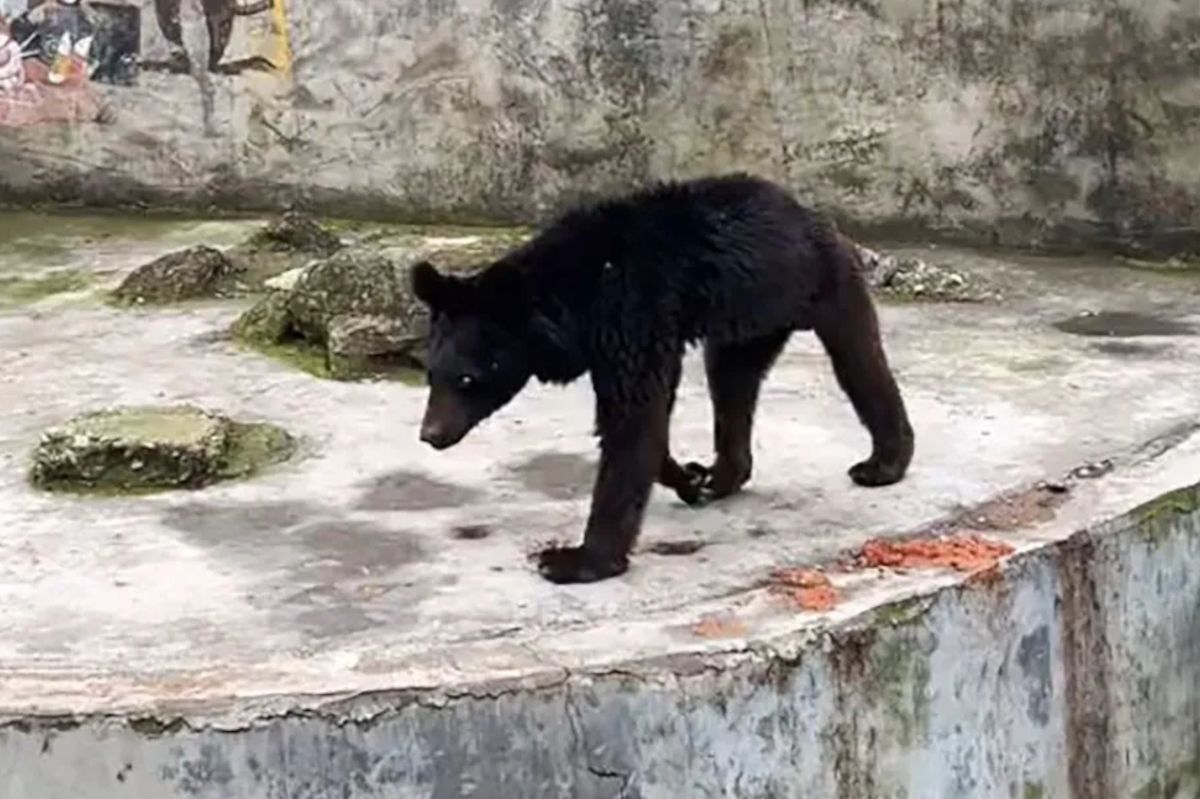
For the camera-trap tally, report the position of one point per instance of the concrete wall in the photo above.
(1075, 673)
(1023, 121)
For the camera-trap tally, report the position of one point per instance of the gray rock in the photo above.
(366, 346)
(915, 279)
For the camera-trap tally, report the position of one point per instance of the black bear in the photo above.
(618, 289)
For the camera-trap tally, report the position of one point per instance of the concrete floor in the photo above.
(348, 570)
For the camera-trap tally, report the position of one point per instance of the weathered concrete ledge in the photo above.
(1073, 671)
(362, 621)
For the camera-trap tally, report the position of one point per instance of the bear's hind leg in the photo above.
(686, 481)
(848, 328)
(735, 373)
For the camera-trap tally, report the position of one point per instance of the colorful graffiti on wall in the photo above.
(59, 58)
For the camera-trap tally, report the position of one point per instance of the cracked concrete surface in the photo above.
(337, 589)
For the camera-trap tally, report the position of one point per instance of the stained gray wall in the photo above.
(1018, 121)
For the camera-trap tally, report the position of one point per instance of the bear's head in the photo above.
(478, 355)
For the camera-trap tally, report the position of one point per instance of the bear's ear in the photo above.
(431, 287)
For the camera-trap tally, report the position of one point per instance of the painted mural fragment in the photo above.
(67, 61)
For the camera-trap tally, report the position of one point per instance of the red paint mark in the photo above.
(808, 589)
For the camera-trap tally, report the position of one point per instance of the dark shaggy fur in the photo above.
(619, 289)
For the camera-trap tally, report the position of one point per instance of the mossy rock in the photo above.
(139, 449)
(350, 283)
(297, 232)
(266, 322)
(350, 316)
(370, 346)
(283, 245)
(199, 272)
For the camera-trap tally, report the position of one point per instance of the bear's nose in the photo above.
(434, 435)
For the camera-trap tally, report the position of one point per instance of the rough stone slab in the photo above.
(131, 448)
(144, 448)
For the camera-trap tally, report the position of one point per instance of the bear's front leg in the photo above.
(632, 442)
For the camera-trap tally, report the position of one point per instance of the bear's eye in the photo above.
(466, 382)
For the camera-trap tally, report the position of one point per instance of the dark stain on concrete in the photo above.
(1086, 665)
(1033, 656)
(1124, 324)
(558, 475)
(729, 55)
(471, 532)
(297, 538)
(849, 658)
(206, 772)
(408, 490)
(326, 610)
(675, 548)
(343, 550)
(1129, 349)
(236, 524)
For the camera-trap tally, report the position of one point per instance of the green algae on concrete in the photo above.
(899, 676)
(140, 449)
(295, 353)
(1155, 519)
(1033, 790)
(1176, 782)
(28, 289)
(253, 446)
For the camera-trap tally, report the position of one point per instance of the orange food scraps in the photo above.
(807, 588)
(719, 626)
(964, 553)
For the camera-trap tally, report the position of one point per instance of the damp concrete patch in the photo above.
(1124, 324)
(413, 491)
(151, 448)
(557, 475)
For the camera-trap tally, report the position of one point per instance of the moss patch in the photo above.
(904, 612)
(1182, 780)
(899, 678)
(312, 359)
(140, 450)
(251, 447)
(1155, 518)
(1034, 790)
(295, 353)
